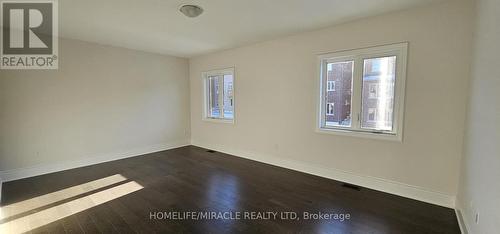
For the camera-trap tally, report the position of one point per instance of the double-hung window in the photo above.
(367, 98)
(219, 95)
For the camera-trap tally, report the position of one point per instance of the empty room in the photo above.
(250, 116)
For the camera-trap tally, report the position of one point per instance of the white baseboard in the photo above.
(371, 182)
(461, 222)
(380, 184)
(16, 174)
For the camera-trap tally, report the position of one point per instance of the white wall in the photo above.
(480, 182)
(102, 102)
(275, 102)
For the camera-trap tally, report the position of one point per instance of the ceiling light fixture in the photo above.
(191, 11)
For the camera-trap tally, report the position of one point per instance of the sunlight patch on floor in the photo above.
(44, 217)
(47, 199)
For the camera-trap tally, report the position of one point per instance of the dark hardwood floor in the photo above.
(192, 179)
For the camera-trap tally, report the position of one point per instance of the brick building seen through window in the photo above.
(377, 93)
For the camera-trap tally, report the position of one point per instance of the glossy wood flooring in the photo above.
(120, 196)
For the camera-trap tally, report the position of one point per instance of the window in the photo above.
(372, 114)
(372, 90)
(369, 92)
(330, 85)
(340, 72)
(329, 108)
(219, 95)
(380, 101)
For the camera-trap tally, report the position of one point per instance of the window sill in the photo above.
(215, 120)
(369, 135)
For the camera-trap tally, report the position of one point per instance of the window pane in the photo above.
(379, 76)
(213, 97)
(228, 97)
(338, 94)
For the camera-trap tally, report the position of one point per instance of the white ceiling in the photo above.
(157, 26)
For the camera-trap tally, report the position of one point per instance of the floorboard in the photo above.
(192, 179)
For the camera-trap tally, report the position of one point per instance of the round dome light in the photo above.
(191, 11)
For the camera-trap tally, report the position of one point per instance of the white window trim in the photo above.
(400, 50)
(218, 72)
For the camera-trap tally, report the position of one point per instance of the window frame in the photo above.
(400, 50)
(206, 98)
